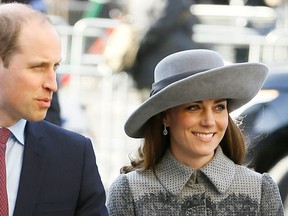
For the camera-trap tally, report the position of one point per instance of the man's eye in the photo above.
(37, 66)
(56, 66)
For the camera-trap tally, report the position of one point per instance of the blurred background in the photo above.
(95, 98)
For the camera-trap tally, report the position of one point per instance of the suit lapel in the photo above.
(33, 168)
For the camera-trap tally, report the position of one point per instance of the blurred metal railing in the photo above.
(227, 27)
(84, 66)
(104, 94)
(271, 50)
(93, 28)
(235, 15)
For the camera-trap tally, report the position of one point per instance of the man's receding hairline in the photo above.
(15, 6)
(23, 11)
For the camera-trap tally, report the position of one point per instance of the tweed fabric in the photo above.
(219, 188)
(4, 135)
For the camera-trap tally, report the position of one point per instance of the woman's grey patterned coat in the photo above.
(219, 188)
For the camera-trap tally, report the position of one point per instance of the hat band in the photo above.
(156, 87)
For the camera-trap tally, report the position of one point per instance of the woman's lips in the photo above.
(204, 135)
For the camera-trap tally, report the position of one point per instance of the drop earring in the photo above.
(165, 131)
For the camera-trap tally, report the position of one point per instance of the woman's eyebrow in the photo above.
(220, 100)
(216, 101)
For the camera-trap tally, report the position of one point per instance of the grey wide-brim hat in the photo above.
(195, 75)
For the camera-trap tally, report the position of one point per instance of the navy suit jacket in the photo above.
(59, 174)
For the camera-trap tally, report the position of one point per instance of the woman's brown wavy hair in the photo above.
(155, 145)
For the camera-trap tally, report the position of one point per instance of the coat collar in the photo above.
(33, 168)
(220, 172)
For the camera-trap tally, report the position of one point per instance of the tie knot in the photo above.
(4, 135)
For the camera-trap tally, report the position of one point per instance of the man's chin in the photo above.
(37, 118)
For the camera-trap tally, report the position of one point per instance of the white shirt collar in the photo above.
(18, 130)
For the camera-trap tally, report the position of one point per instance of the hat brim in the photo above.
(238, 83)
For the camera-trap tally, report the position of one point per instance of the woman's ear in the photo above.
(165, 119)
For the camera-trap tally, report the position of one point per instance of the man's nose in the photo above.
(51, 81)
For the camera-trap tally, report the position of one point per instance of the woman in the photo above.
(190, 161)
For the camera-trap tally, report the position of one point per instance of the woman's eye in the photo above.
(193, 107)
(221, 107)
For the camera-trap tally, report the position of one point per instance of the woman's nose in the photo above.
(208, 118)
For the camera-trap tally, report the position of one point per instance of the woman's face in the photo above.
(196, 130)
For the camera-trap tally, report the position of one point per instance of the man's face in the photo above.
(29, 81)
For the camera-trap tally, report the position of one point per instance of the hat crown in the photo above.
(194, 61)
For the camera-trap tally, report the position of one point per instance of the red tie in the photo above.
(4, 135)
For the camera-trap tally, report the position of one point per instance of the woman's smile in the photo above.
(203, 135)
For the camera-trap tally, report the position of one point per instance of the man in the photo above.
(54, 112)
(49, 170)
